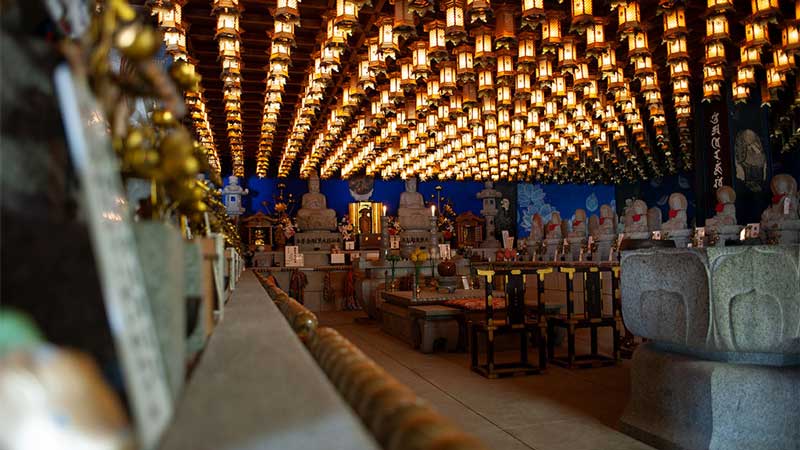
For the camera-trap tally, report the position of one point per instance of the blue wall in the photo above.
(564, 198)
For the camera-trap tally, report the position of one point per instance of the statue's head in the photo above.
(639, 207)
(580, 214)
(537, 219)
(233, 180)
(313, 183)
(783, 184)
(411, 184)
(555, 217)
(677, 201)
(606, 211)
(726, 194)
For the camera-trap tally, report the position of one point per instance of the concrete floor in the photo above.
(558, 410)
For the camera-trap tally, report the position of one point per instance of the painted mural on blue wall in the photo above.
(564, 198)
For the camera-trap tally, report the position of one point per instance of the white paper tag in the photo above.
(656, 235)
(444, 251)
(753, 229)
(394, 242)
(465, 282)
(337, 258)
(349, 245)
(119, 270)
(787, 205)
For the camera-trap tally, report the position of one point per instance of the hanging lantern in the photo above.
(485, 82)
(228, 47)
(717, 27)
(469, 95)
(674, 23)
(387, 43)
(484, 55)
(447, 78)
(544, 70)
(284, 32)
(464, 63)
(740, 92)
(713, 74)
(642, 66)
(637, 43)
(782, 61)
(346, 14)
(287, 10)
(676, 49)
(526, 56)
(532, 11)
(764, 8)
(746, 75)
(227, 23)
(551, 31)
(790, 37)
(715, 53)
(595, 37)
(403, 19)
(505, 35)
(712, 91)
(505, 66)
(437, 45)
(720, 5)
(478, 10)
(365, 78)
(629, 18)
(749, 56)
(680, 86)
(454, 20)
(419, 55)
(581, 14)
(775, 79)
(567, 54)
(756, 34)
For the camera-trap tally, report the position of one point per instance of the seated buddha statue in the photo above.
(781, 219)
(579, 225)
(412, 213)
(677, 213)
(607, 224)
(725, 210)
(636, 218)
(314, 214)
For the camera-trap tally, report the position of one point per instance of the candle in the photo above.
(384, 210)
(433, 210)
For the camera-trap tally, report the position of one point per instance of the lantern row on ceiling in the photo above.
(675, 35)
(228, 39)
(326, 61)
(285, 18)
(171, 25)
(509, 103)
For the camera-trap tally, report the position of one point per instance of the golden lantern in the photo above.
(433, 91)
(175, 42)
(287, 10)
(227, 23)
(720, 5)
(717, 27)
(478, 10)
(551, 31)
(629, 18)
(650, 82)
(676, 49)
(746, 75)
(504, 97)
(559, 86)
(581, 13)
(567, 54)
(447, 77)
(713, 73)
(756, 34)
(615, 80)
(419, 57)
(483, 45)
(749, 56)
(365, 78)
(674, 22)
(590, 91)
(544, 70)
(782, 61)
(595, 37)
(346, 14)
(764, 8)
(715, 52)
(464, 63)
(505, 66)
(637, 43)
(456, 104)
(469, 94)
(711, 91)
(284, 32)
(775, 79)
(386, 39)
(526, 50)
(608, 60)
(422, 101)
(403, 18)
(740, 92)
(523, 85)
(532, 10)
(790, 37)
(537, 98)
(455, 30)
(279, 53)
(228, 47)
(505, 30)
(437, 45)
(489, 105)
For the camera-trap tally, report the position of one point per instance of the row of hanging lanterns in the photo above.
(172, 27)
(228, 39)
(484, 95)
(285, 18)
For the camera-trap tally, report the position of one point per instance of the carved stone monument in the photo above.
(315, 220)
(723, 225)
(780, 222)
(489, 195)
(723, 358)
(412, 212)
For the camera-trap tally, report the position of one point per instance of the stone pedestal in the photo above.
(722, 369)
(604, 244)
(575, 244)
(317, 240)
(786, 233)
(680, 237)
(638, 235)
(726, 233)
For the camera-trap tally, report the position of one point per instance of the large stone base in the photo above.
(317, 240)
(680, 237)
(682, 403)
(786, 233)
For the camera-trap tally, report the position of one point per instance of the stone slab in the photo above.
(257, 387)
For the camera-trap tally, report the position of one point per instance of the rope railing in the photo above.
(393, 413)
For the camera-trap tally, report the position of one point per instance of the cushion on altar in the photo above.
(476, 304)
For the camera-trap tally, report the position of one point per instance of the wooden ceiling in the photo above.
(256, 23)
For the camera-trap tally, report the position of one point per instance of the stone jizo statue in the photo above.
(314, 214)
(636, 218)
(537, 228)
(725, 209)
(607, 222)
(579, 225)
(412, 212)
(554, 226)
(784, 201)
(677, 213)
